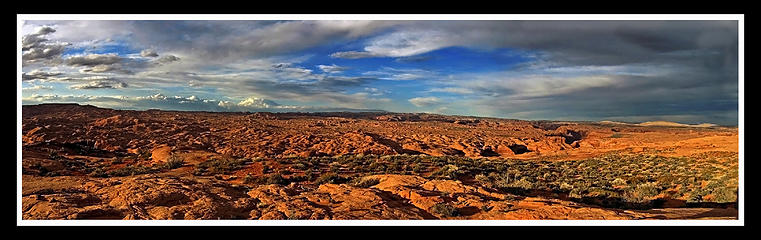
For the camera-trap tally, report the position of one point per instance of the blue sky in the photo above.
(683, 71)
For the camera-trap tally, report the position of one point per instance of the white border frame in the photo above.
(741, 77)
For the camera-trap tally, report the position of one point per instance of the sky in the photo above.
(632, 71)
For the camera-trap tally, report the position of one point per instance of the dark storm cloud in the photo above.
(100, 84)
(36, 47)
(685, 67)
(38, 74)
(167, 59)
(244, 39)
(93, 60)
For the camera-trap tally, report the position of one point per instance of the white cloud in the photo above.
(192, 103)
(387, 73)
(458, 90)
(37, 87)
(148, 53)
(402, 44)
(332, 68)
(425, 101)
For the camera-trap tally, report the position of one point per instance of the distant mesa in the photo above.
(673, 124)
(662, 124)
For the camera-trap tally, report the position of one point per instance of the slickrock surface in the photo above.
(395, 197)
(84, 162)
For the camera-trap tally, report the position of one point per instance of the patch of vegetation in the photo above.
(53, 154)
(617, 135)
(219, 166)
(445, 210)
(174, 161)
(131, 170)
(365, 182)
(273, 178)
(612, 180)
(144, 154)
(330, 177)
(99, 172)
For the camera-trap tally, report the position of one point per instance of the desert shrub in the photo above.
(98, 172)
(377, 167)
(300, 166)
(298, 178)
(566, 187)
(329, 178)
(53, 154)
(641, 193)
(174, 161)
(724, 195)
(250, 179)
(524, 183)
(576, 193)
(619, 182)
(418, 168)
(219, 166)
(448, 172)
(445, 210)
(617, 135)
(482, 178)
(143, 153)
(485, 208)
(275, 179)
(335, 168)
(131, 170)
(365, 182)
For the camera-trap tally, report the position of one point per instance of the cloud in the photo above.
(38, 74)
(458, 90)
(36, 48)
(413, 59)
(353, 55)
(332, 68)
(402, 44)
(93, 60)
(606, 69)
(37, 87)
(148, 53)
(387, 73)
(99, 84)
(236, 40)
(36, 39)
(425, 101)
(168, 59)
(191, 103)
(103, 68)
(257, 102)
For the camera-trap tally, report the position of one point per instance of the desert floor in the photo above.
(83, 162)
